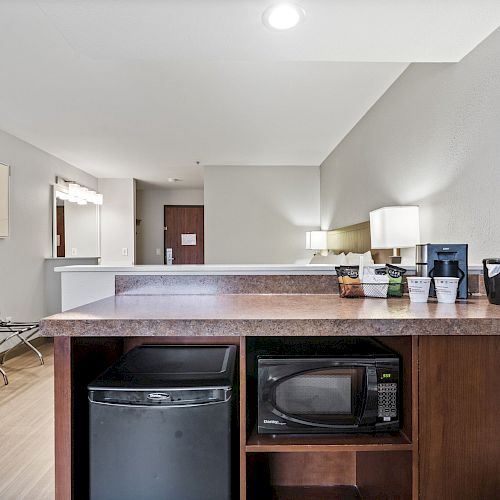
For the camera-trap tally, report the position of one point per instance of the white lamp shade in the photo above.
(395, 227)
(317, 240)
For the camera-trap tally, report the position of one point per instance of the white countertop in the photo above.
(216, 269)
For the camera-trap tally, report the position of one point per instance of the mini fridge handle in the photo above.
(163, 407)
(158, 399)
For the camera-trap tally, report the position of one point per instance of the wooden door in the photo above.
(61, 240)
(184, 233)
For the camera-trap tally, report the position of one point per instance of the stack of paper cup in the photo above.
(446, 289)
(418, 286)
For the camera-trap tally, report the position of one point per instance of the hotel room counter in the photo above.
(271, 314)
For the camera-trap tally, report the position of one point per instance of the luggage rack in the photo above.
(23, 332)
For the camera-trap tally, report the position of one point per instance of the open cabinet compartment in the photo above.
(329, 475)
(330, 466)
(404, 346)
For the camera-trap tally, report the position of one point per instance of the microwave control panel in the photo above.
(387, 389)
(387, 401)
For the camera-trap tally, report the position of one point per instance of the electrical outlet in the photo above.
(124, 252)
(158, 251)
(74, 251)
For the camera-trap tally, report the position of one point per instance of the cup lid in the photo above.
(425, 278)
(449, 278)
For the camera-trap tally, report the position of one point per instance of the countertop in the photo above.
(273, 314)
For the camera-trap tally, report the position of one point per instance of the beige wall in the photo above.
(117, 221)
(22, 254)
(431, 140)
(259, 215)
(150, 210)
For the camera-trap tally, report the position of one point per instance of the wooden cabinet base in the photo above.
(448, 447)
(62, 418)
(459, 418)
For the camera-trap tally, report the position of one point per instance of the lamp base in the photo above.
(395, 259)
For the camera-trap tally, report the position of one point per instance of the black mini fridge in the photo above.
(160, 425)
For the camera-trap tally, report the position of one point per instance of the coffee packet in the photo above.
(349, 281)
(395, 274)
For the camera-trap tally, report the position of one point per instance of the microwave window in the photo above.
(311, 394)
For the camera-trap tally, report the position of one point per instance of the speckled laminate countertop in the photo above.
(274, 314)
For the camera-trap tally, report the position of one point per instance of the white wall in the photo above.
(117, 221)
(150, 210)
(259, 215)
(22, 275)
(53, 295)
(434, 140)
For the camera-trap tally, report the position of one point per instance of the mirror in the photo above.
(75, 228)
(4, 201)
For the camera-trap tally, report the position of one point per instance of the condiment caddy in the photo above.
(375, 281)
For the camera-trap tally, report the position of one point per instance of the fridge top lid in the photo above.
(179, 366)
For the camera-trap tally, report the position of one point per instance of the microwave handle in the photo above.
(370, 408)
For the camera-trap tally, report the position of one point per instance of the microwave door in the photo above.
(330, 397)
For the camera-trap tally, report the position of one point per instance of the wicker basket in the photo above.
(371, 290)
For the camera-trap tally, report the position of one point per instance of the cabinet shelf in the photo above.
(315, 493)
(268, 443)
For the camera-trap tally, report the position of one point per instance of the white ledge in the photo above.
(215, 269)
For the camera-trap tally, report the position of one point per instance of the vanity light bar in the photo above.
(73, 192)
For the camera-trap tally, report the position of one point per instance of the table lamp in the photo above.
(395, 227)
(317, 240)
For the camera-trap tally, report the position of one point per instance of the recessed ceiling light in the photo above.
(174, 179)
(283, 16)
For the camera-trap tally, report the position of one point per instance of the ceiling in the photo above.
(147, 88)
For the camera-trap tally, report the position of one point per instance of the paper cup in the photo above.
(418, 286)
(446, 289)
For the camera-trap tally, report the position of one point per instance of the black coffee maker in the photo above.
(492, 284)
(435, 260)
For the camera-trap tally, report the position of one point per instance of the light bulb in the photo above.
(283, 16)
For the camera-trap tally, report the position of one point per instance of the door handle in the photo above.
(168, 256)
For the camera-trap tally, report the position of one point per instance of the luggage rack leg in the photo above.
(25, 341)
(4, 375)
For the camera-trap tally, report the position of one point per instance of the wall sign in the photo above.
(188, 239)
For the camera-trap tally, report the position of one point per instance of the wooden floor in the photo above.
(27, 428)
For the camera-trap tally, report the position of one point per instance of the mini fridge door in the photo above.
(160, 452)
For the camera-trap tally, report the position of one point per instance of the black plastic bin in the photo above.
(492, 285)
(160, 425)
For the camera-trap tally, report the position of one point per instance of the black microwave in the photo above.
(348, 391)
